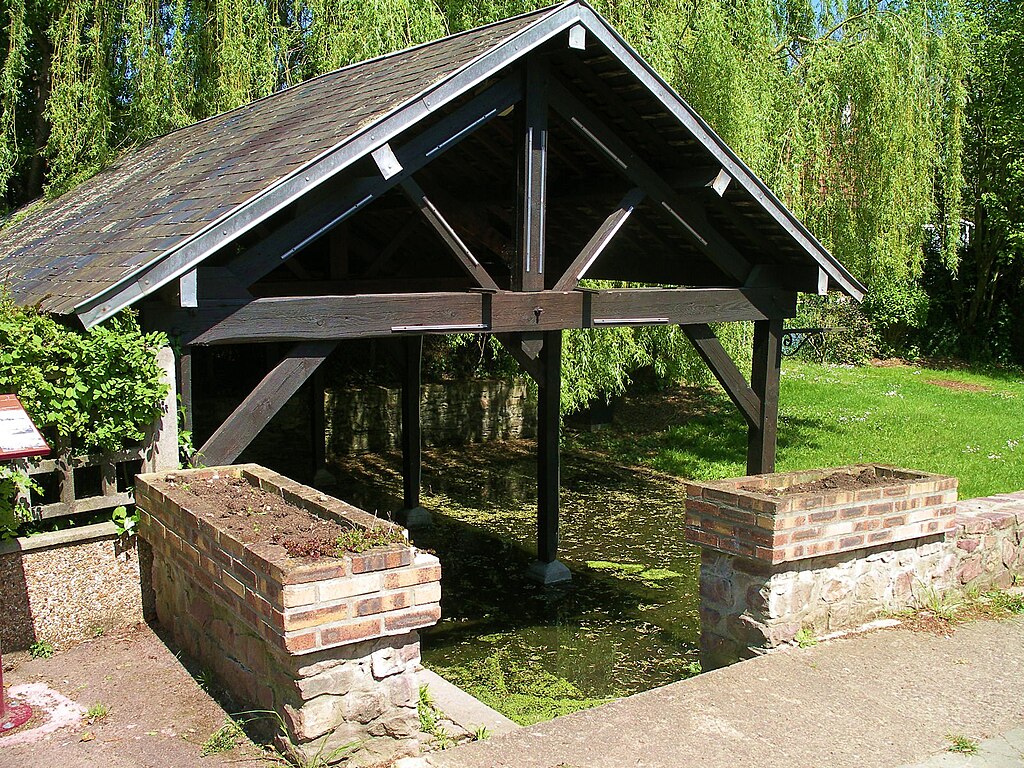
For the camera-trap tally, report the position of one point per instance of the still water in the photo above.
(628, 621)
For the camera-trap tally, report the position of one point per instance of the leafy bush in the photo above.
(86, 391)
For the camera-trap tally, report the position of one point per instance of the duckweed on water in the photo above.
(523, 691)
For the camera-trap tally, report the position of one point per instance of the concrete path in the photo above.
(889, 698)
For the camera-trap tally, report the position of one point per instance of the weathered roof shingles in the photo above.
(157, 196)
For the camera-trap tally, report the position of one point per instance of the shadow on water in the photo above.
(627, 622)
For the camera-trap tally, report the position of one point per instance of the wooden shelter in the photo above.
(464, 185)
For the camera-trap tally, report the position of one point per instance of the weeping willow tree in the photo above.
(852, 110)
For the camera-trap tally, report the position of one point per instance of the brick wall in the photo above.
(329, 645)
(729, 516)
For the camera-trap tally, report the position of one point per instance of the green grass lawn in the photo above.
(961, 423)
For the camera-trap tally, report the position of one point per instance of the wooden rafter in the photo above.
(412, 156)
(690, 218)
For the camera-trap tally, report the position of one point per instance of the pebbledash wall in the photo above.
(329, 645)
(68, 586)
(773, 566)
(452, 413)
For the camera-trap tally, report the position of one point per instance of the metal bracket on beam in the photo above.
(387, 163)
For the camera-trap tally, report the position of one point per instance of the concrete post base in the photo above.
(549, 573)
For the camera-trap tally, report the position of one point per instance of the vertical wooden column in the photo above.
(411, 446)
(547, 569)
(764, 381)
(532, 164)
(322, 477)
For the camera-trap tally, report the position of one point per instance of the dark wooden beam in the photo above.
(306, 229)
(514, 344)
(528, 272)
(318, 422)
(711, 351)
(689, 217)
(366, 316)
(411, 443)
(764, 380)
(602, 239)
(448, 235)
(248, 419)
(548, 458)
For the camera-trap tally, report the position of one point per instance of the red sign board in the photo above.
(19, 437)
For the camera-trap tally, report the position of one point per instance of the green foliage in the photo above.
(522, 691)
(85, 391)
(126, 523)
(96, 712)
(41, 649)
(224, 739)
(14, 484)
(363, 539)
(805, 638)
(953, 422)
(963, 745)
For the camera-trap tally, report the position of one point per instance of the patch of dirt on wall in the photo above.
(838, 481)
(254, 516)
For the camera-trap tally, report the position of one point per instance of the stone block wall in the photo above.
(68, 586)
(452, 413)
(752, 601)
(329, 645)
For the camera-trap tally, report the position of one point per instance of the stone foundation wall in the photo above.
(330, 645)
(68, 586)
(990, 541)
(453, 413)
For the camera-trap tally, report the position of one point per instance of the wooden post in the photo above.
(528, 273)
(415, 515)
(764, 380)
(547, 569)
(185, 387)
(322, 477)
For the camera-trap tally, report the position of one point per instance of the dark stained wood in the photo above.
(364, 316)
(764, 380)
(411, 443)
(513, 343)
(724, 369)
(184, 379)
(448, 235)
(688, 216)
(318, 421)
(413, 155)
(548, 459)
(528, 272)
(255, 412)
(602, 239)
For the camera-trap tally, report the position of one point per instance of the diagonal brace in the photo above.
(711, 351)
(600, 241)
(248, 419)
(451, 239)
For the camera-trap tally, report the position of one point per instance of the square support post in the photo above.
(322, 476)
(532, 166)
(411, 446)
(764, 381)
(547, 569)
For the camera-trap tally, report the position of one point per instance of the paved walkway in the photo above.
(889, 698)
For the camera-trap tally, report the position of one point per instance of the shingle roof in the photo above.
(164, 207)
(160, 194)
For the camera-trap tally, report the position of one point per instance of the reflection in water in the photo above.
(628, 621)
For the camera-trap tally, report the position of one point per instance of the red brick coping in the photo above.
(724, 516)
